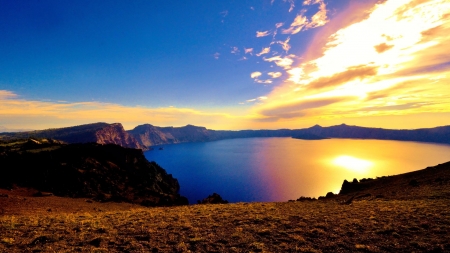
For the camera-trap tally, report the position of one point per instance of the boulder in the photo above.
(213, 199)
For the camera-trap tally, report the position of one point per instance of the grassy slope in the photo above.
(405, 219)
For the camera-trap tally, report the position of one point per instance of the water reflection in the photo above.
(352, 163)
(279, 169)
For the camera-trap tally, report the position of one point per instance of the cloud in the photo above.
(383, 47)
(284, 62)
(268, 81)
(248, 51)
(352, 73)
(18, 113)
(301, 22)
(265, 50)
(320, 18)
(385, 58)
(285, 44)
(235, 50)
(216, 56)
(278, 25)
(297, 108)
(292, 5)
(224, 13)
(4, 94)
(262, 34)
(256, 99)
(297, 25)
(255, 74)
(275, 74)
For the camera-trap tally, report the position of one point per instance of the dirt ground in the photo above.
(54, 224)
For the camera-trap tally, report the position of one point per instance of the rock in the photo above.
(330, 195)
(213, 199)
(306, 199)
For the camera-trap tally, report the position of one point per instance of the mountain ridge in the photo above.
(101, 133)
(149, 135)
(145, 136)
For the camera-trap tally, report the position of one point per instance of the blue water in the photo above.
(279, 169)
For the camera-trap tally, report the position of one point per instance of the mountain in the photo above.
(11, 130)
(145, 136)
(101, 133)
(91, 170)
(436, 134)
(148, 135)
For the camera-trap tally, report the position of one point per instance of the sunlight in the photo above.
(352, 163)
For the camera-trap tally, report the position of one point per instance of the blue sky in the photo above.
(222, 64)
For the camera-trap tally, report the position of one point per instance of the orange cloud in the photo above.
(390, 58)
(16, 112)
(265, 50)
(262, 34)
(248, 50)
(352, 73)
(383, 47)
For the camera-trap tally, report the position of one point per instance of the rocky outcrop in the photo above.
(213, 199)
(101, 172)
(101, 133)
(149, 135)
(116, 134)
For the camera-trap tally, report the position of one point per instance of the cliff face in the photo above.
(115, 134)
(148, 135)
(101, 133)
(102, 172)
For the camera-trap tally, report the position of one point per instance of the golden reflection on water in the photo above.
(352, 163)
(290, 168)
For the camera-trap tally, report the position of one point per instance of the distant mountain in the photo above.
(148, 135)
(102, 172)
(436, 134)
(145, 136)
(12, 130)
(101, 133)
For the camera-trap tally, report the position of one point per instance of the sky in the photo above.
(225, 64)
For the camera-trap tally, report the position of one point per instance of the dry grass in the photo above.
(321, 226)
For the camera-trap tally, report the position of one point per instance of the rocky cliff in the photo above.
(149, 135)
(101, 172)
(101, 133)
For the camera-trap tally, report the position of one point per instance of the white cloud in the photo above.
(268, 81)
(284, 62)
(274, 74)
(255, 74)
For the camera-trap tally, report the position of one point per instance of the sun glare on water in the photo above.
(352, 163)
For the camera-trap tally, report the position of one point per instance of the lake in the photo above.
(279, 169)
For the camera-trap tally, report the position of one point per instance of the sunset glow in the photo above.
(253, 65)
(353, 164)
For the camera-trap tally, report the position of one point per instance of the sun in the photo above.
(352, 163)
